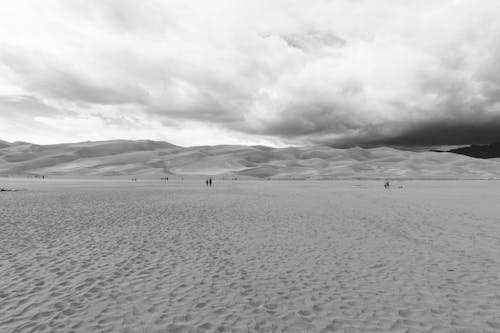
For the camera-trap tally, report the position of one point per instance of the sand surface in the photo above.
(256, 256)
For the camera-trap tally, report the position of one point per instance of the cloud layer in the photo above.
(342, 73)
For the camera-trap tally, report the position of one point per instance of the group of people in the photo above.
(386, 184)
(208, 182)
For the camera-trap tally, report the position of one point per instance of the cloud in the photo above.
(21, 113)
(339, 73)
(313, 40)
(447, 133)
(27, 106)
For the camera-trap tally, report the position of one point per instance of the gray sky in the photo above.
(194, 72)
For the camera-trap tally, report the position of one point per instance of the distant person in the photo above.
(210, 181)
(386, 184)
(206, 182)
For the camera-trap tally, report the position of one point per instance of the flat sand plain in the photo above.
(250, 256)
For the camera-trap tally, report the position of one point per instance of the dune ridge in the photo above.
(151, 159)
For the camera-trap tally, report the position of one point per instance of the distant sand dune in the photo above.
(153, 159)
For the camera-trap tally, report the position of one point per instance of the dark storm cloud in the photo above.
(311, 119)
(458, 115)
(434, 133)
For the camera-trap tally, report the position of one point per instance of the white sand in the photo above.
(262, 256)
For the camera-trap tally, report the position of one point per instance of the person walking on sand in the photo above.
(210, 181)
(206, 182)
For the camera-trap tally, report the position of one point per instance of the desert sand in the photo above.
(249, 256)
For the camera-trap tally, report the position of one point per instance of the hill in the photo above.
(479, 151)
(4, 144)
(155, 159)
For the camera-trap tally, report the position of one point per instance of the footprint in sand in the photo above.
(493, 324)
(200, 305)
(405, 313)
(204, 327)
(174, 328)
(68, 312)
(305, 313)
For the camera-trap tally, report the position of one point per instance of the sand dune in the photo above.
(152, 159)
(3, 144)
(332, 256)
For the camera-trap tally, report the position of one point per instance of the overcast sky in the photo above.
(195, 72)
